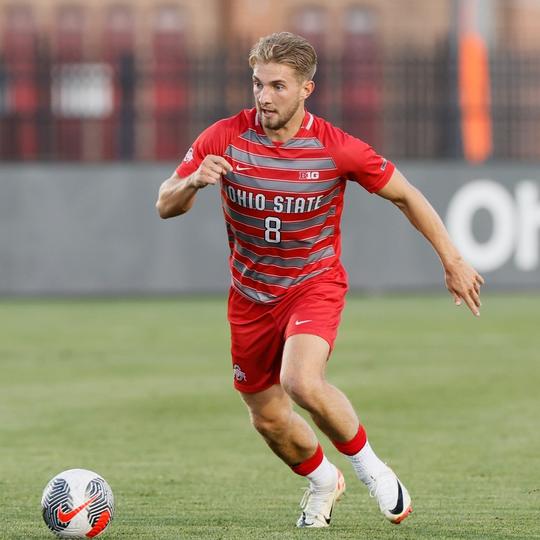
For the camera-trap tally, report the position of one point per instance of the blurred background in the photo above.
(100, 100)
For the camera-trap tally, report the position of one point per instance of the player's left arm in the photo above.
(462, 280)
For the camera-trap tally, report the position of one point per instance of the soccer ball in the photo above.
(77, 504)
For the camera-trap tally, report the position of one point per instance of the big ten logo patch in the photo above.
(308, 175)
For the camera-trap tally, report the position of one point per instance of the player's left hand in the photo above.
(464, 283)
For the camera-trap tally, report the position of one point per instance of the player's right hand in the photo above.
(209, 171)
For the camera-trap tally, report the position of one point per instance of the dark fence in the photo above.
(123, 108)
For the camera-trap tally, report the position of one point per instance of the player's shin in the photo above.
(318, 470)
(358, 451)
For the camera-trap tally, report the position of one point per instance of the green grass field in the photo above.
(140, 391)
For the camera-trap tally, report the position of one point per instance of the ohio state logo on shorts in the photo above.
(239, 375)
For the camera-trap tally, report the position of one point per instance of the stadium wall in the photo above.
(93, 229)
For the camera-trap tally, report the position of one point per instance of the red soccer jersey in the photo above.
(283, 201)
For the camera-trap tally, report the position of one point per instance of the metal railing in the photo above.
(405, 105)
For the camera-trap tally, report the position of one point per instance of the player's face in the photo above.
(279, 94)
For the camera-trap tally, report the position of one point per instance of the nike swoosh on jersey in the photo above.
(238, 168)
(68, 516)
(298, 323)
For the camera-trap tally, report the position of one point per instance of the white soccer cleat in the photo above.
(317, 507)
(393, 498)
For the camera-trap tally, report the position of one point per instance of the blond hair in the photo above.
(286, 48)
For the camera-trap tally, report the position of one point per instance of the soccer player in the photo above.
(282, 173)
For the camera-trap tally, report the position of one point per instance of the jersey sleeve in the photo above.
(213, 140)
(359, 162)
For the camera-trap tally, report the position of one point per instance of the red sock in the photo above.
(310, 464)
(352, 447)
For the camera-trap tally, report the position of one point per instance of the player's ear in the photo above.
(307, 89)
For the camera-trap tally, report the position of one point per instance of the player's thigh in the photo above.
(304, 362)
(272, 404)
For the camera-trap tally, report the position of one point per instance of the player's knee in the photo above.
(304, 392)
(271, 426)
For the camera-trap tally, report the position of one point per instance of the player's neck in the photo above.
(289, 130)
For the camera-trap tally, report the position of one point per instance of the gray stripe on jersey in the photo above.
(303, 143)
(305, 186)
(284, 244)
(329, 197)
(254, 294)
(280, 163)
(306, 143)
(285, 225)
(268, 279)
(293, 262)
(253, 136)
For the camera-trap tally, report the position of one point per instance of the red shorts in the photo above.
(259, 331)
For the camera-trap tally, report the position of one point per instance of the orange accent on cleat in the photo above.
(341, 483)
(405, 514)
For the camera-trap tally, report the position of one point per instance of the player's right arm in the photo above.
(177, 195)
